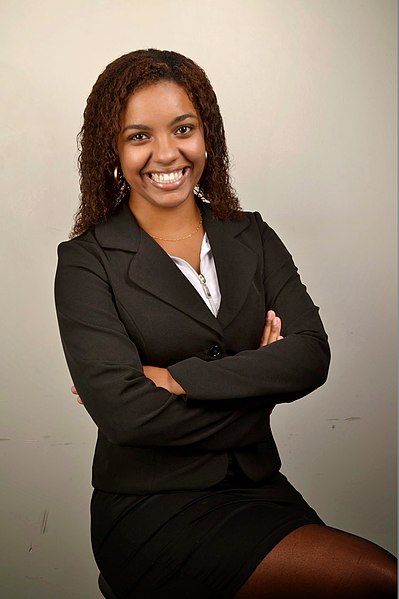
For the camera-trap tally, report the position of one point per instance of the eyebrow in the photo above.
(183, 117)
(178, 119)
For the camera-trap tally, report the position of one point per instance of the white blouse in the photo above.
(206, 282)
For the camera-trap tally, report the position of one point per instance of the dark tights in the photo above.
(318, 562)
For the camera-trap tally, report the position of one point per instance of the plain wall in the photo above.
(308, 93)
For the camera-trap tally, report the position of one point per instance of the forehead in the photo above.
(158, 101)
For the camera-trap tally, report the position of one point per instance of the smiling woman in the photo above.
(184, 322)
(161, 151)
(103, 129)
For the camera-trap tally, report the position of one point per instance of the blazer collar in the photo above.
(120, 232)
(153, 270)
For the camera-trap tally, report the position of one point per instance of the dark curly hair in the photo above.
(100, 194)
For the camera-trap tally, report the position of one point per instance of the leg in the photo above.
(317, 561)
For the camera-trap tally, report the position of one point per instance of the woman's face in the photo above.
(161, 146)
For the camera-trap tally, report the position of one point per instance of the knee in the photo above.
(379, 576)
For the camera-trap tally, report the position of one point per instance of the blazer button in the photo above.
(214, 351)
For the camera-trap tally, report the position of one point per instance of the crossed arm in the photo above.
(161, 377)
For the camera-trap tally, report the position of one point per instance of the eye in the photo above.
(184, 129)
(137, 137)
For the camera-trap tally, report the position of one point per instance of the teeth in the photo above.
(167, 177)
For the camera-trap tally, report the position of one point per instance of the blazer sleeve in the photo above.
(105, 367)
(282, 371)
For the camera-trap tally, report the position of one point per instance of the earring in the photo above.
(122, 186)
(206, 155)
(198, 193)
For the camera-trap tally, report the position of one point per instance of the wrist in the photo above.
(174, 386)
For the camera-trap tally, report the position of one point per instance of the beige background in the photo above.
(308, 93)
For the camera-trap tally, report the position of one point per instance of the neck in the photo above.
(166, 221)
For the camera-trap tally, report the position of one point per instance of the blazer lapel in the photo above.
(153, 270)
(235, 262)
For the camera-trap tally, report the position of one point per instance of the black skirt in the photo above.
(193, 544)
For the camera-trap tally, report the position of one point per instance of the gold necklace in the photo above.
(197, 228)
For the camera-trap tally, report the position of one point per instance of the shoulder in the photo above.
(256, 221)
(240, 222)
(80, 254)
(255, 218)
(119, 231)
(82, 243)
(263, 235)
(254, 225)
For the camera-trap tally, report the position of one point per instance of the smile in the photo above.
(167, 177)
(169, 181)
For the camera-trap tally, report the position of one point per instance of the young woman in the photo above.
(183, 322)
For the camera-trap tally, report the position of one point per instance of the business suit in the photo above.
(122, 303)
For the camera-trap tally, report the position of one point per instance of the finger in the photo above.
(75, 392)
(267, 328)
(275, 329)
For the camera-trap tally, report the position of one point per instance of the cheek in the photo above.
(131, 162)
(198, 152)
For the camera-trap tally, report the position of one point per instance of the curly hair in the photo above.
(100, 194)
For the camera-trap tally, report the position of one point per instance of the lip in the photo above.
(173, 184)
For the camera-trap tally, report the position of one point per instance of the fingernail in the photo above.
(276, 322)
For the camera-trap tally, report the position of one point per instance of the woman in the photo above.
(161, 298)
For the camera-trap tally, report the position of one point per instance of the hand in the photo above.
(161, 377)
(272, 329)
(271, 333)
(75, 392)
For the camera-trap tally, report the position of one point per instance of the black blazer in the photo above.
(122, 303)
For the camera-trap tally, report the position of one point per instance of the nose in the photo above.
(165, 150)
